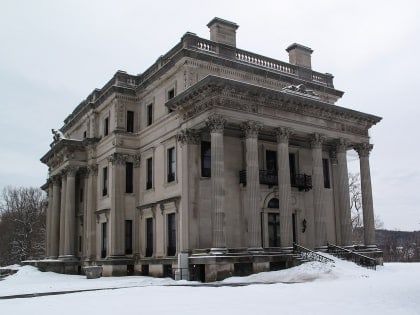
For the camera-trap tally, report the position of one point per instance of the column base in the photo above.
(322, 248)
(67, 258)
(218, 251)
(372, 247)
(287, 249)
(255, 250)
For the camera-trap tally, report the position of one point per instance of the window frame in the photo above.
(170, 164)
(129, 121)
(205, 158)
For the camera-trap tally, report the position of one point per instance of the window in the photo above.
(104, 240)
(326, 171)
(130, 121)
(81, 195)
(149, 173)
(273, 229)
(104, 181)
(171, 94)
(128, 237)
(205, 159)
(292, 167)
(149, 237)
(171, 250)
(171, 164)
(149, 114)
(271, 160)
(106, 126)
(129, 177)
(84, 134)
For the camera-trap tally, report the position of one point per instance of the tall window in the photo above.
(130, 121)
(273, 229)
(128, 177)
(128, 237)
(149, 173)
(104, 240)
(326, 171)
(106, 126)
(171, 250)
(104, 181)
(149, 237)
(171, 94)
(271, 160)
(292, 166)
(149, 114)
(205, 159)
(171, 164)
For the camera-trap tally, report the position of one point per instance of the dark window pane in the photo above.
(149, 114)
(205, 159)
(149, 175)
(171, 165)
(106, 126)
(104, 181)
(104, 241)
(149, 237)
(129, 177)
(130, 121)
(128, 237)
(326, 170)
(171, 250)
(273, 203)
(273, 230)
(292, 166)
(271, 160)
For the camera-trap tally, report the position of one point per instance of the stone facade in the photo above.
(212, 162)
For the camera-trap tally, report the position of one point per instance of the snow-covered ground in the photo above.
(312, 288)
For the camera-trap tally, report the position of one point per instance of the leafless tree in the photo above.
(22, 224)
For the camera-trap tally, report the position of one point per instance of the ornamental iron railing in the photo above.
(270, 178)
(310, 255)
(353, 256)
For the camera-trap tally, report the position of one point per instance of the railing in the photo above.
(310, 255)
(300, 181)
(355, 257)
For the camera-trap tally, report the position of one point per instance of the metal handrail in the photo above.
(310, 255)
(359, 259)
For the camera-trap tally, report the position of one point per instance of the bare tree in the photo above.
(22, 224)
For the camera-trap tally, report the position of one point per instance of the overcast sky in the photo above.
(54, 53)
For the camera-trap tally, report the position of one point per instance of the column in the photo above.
(252, 197)
(336, 193)
(117, 213)
(318, 192)
(188, 215)
(70, 213)
(283, 173)
(216, 123)
(90, 220)
(55, 218)
(63, 211)
(344, 196)
(48, 220)
(367, 201)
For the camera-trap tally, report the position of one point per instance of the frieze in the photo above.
(118, 158)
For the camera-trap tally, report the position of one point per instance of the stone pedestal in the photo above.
(93, 272)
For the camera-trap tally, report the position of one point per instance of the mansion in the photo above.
(213, 162)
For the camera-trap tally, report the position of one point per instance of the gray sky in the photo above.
(54, 53)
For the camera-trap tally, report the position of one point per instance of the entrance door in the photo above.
(274, 230)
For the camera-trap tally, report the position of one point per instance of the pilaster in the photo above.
(55, 218)
(70, 215)
(90, 220)
(63, 211)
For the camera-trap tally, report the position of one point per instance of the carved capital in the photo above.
(283, 134)
(251, 128)
(333, 157)
(342, 145)
(216, 123)
(56, 179)
(363, 149)
(71, 170)
(189, 136)
(136, 160)
(317, 140)
(92, 169)
(118, 158)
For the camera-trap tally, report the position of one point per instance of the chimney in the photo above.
(300, 55)
(222, 31)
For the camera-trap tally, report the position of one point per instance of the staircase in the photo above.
(353, 256)
(306, 254)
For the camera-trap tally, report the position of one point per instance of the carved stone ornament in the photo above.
(92, 169)
(216, 123)
(251, 128)
(333, 157)
(188, 136)
(118, 158)
(363, 149)
(317, 140)
(56, 180)
(136, 160)
(71, 170)
(301, 89)
(341, 145)
(283, 134)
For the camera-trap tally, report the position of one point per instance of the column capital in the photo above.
(92, 169)
(118, 158)
(317, 140)
(333, 157)
(341, 145)
(363, 149)
(56, 179)
(251, 128)
(216, 123)
(71, 170)
(283, 134)
(136, 160)
(188, 136)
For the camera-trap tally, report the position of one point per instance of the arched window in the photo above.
(273, 203)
